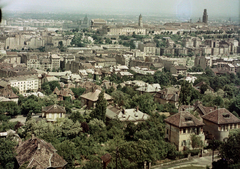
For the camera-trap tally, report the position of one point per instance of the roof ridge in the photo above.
(180, 119)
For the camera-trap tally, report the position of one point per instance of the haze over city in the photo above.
(187, 8)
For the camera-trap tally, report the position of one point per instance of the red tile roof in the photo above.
(184, 119)
(221, 116)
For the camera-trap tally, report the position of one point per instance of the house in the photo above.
(64, 93)
(178, 70)
(199, 85)
(121, 74)
(149, 88)
(8, 94)
(107, 84)
(168, 95)
(91, 98)
(180, 127)
(49, 78)
(51, 113)
(202, 110)
(39, 154)
(219, 122)
(126, 115)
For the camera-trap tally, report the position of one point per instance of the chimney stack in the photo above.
(137, 108)
(33, 136)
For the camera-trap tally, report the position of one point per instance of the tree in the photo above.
(7, 154)
(67, 150)
(214, 145)
(196, 141)
(120, 98)
(10, 107)
(203, 88)
(100, 111)
(185, 93)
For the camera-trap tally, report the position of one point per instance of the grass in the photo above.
(192, 167)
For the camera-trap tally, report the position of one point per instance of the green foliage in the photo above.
(49, 87)
(77, 40)
(229, 150)
(10, 107)
(187, 93)
(120, 98)
(196, 141)
(7, 153)
(100, 111)
(78, 91)
(145, 102)
(31, 105)
(195, 69)
(7, 125)
(67, 150)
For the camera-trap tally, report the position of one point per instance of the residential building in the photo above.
(91, 98)
(64, 93)
(52, 112)
(22, 83)
(126, 115)
(38, 153)
(168, 95)
(178, 70)
(180, 127)
(8, 94)
(219, 123)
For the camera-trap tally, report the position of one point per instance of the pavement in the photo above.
(201, 162)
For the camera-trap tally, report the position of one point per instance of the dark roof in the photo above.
(38, 153)
(7, 92)
(203, 83)
(184, 119)
(221, 116)
(54, 109)
(106, 157)
(181, 67)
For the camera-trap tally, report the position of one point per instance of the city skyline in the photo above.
(180, 8)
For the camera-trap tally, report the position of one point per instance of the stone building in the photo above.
(219, 123)
(38, 153)
(52, 112)
(168, 95)
(178, 70)
(180, 127)
(149, 48)
(97, 24)
(91, 98)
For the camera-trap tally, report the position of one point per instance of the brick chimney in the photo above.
(137, 108)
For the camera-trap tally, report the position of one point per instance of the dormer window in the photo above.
(188, 119)
(225, 115)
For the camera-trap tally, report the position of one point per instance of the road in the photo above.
(202, 161)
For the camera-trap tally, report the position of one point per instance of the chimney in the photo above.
(123, 111)
(33, 136)
(39, 146)
(137, 108)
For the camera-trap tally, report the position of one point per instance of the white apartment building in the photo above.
(22, 83)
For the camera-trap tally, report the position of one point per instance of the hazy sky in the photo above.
(181, 8)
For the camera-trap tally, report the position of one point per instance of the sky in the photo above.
(180, 8)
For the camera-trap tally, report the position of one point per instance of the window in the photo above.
(167, 131)
(60, 115)
(184, 130)
(184, 143)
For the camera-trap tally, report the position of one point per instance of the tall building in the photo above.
(205, 16)
(140, 23)
(85, 20)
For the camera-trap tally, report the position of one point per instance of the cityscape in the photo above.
(120, 84)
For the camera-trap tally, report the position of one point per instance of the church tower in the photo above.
(205, 16)
(140, 24)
